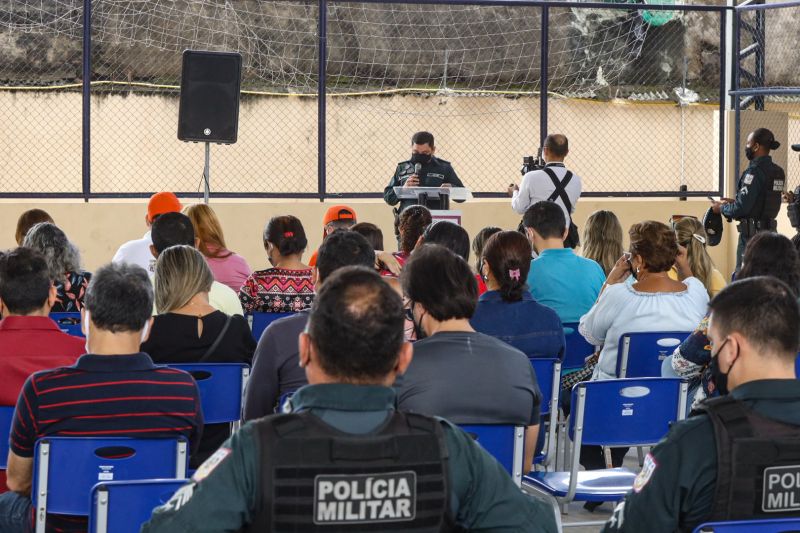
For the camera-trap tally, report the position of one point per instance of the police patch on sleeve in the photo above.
(365, 498)
(210, 464)
(781, 489)
(748, 179)
(643, 478)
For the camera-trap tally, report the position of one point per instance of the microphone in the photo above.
(417, 168)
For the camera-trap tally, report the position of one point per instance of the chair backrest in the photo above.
(259, 322)
(548, 375)
(123, 506)
(773, 525)
(66, 468)
(625, 412)
(641, 354)
(221, 389)
(69, 323)
(6, 418)
(577, 349)
(504, 442)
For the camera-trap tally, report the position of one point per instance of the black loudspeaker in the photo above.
(209, 105)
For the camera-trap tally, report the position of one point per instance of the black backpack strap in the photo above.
(561, 187)
(217, 341)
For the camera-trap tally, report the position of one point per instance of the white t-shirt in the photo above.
(622, 309)
(137, 252)
(537, 186)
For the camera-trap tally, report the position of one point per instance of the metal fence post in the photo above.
(321, 96)
(86, 167)
(737, 100)
(723, 96)
(543, 65)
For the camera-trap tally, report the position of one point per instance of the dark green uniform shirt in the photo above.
(224, 494)
(750, 191)
(433, 174)
(675, 490)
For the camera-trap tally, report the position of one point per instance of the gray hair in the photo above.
(61, 255)
(181, 273)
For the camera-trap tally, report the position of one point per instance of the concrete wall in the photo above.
(98, 228)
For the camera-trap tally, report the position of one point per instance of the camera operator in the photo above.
(549, 181)
(793, 209)
(758, 191)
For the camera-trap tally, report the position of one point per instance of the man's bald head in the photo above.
(557, 145)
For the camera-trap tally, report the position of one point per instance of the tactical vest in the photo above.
(317, 478)
(758, 463)
(774, 184)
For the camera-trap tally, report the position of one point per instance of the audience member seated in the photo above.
(287, 286)
(692, 236)
(766, 254)
(113, 390)
(352, 349)
(411, 224)
(189, 330)
(458, 373)
(174, 229)
(64, 264)
(508, 311)
(29, 340)
(454, 238)
(137, 251)
(653, 303)
(275, 365)
(372, 233)
(602, 239)
(229, 268)
(479, 242)
(732, 460)
(558, 278)
(337, 217)
(29, 219)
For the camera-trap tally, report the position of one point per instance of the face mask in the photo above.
(421, 158)
(749, 153)
(145, 329)
(630, 267)
(720, 377)
(86, 318)
(419, 333)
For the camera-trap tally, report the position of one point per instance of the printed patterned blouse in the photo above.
(70, 291)
(277, 290)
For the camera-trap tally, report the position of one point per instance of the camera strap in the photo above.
(561, 188)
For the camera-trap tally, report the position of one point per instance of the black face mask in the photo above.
(422, 159)
(749, 153)
(720, 377)
(419, 333)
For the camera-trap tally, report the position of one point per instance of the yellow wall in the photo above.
(98, 228)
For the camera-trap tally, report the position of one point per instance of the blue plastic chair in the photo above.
(548, 375)
(615, 413)
(641, 354)
(6, 418)
(259, 322)
(69, 323)
(577, 349)
(123, 506)
(222, 388)
(66, 468)
(772, 525)
(503, 442)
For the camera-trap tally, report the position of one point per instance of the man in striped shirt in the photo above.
(113, 390)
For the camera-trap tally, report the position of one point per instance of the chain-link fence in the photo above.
(634, 90)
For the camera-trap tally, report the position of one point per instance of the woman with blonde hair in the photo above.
(228, 267)
(188, 329)
(602, 239)
(692, 237)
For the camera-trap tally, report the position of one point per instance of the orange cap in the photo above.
(162, 202)
(338, 212)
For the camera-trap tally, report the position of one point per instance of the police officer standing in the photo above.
(345, 459)
(739, 456)
(758, 191)
(433, 172)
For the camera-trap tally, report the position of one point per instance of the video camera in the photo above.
(793, 209)
(530, 163)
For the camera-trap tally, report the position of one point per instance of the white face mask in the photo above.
(86, 327)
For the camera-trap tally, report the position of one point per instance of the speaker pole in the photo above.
(207, 174)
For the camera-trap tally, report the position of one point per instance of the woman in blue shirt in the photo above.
(508, 311)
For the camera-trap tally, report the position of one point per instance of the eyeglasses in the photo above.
(409, 311)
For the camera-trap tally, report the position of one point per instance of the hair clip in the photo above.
(699, 238)
(288, 234)
(514, 274)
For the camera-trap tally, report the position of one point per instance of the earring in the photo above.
(638, 269)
